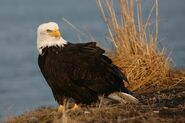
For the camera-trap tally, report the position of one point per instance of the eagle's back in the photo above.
(80, 71)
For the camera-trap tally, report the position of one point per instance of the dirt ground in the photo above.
(159, 104)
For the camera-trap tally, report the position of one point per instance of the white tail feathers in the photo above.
(123, 97)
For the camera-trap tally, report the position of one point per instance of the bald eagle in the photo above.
(79, 71)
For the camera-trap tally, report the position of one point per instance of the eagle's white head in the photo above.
(48, 35)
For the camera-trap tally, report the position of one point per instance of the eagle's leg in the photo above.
(60, 108)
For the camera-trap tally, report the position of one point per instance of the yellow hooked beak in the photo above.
(56, 33)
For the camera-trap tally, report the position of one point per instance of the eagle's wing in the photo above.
(86, 66)
(80, 71)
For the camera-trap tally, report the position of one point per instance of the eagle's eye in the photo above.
(48, 30)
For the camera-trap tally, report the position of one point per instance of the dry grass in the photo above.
(135, 49)
(168, 105)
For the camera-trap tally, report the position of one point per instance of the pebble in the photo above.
(157, 112)
(87, 112)
(165, 107)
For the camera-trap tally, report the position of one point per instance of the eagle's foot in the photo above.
(60, 108)
(75, 107)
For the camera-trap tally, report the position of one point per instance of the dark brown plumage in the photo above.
(80, 71)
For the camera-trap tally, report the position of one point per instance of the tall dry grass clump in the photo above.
(135, 48)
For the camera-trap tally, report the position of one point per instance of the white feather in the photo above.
(46, 40)
(123, 97)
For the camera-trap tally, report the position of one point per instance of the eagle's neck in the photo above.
(42, 43)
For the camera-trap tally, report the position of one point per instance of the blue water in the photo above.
(22, 87)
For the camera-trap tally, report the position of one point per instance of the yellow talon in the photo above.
(75, 107)
(60, 108)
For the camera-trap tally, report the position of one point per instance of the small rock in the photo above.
(157, 112)
(165, 107)
(87, 112)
